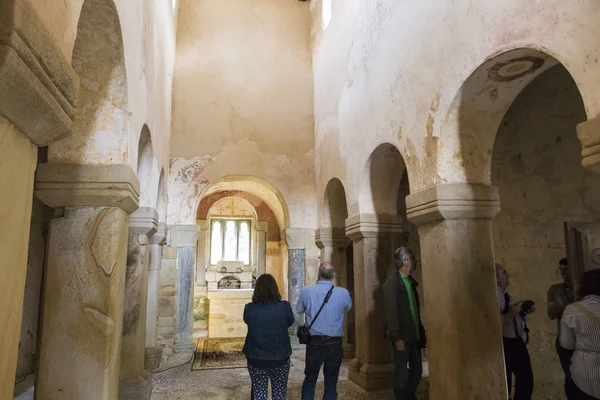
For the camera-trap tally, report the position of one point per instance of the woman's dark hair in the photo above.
(266, 290)
(590, 283)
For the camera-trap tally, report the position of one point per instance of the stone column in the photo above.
(135, 382)
(333, 243)
(588, 133)
(37, 105)
(375, 237)
(201, 253)
(82, 323)
(261, 248)
(464, 335)
(185, 238)
(156, 246)
(296, 242)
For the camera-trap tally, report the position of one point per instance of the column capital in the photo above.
(203, 224)
(160, 237)
(297, 238)
(76, 185)
(588, 133)
(38, 85)
(331, 237)
(184, 235)
(261, 226)
(144, 221)
(373, 225)
(453, 201)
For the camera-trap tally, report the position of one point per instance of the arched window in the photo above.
(230, 240)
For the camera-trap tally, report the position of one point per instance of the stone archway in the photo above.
(376, 232)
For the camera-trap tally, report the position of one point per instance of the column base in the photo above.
(371, 377)
(349, 350)
(138, 388)
(184, 346)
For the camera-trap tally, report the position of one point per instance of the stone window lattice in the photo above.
(230, 240)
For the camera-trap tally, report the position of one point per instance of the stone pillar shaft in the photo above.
(17, 166)
(156, 245)
(464, 334)
(375, 237)
(185, 237)
(261, 248)
(82, 323)
(202, 251)
(296, 241)
(333, 243)
(136, 382)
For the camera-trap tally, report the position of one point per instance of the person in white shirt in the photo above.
(580, 332)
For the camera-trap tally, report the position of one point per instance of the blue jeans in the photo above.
(565, 362)
(408, 368)
(318, 352)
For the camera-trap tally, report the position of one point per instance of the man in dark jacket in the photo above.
(405, 329)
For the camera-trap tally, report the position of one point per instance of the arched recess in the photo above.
(99, 134)
(335, 209)
(380, 180)
(256, 186)
(471, 124)
(146, 165)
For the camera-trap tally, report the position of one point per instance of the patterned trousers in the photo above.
(260, 382)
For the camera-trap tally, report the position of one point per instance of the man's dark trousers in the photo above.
(518, 363)
(408, 368)
(322, 350)
(564, 356)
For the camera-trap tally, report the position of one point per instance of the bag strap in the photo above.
(587, 312)
(322, 305)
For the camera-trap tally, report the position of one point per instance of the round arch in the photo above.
(99, 132)
(471, 124)
(253, 185)
(334, 210)
(380, 180)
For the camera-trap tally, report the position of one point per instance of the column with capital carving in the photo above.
(80, 350)
(135, 382)
(374, 237)
(296, 239)
(333, 243)
(185, 238)
(588, 133)
(156, 246)
(464, 334)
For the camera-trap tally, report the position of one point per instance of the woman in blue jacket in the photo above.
(267, 347)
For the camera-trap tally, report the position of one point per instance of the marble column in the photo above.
(333, 243)
(375, 237)
(464, 335)
(296, 242)
(261, 248)
(185, 238)
(156, 246)
(201, 253)
(135, 382)
(80, 350)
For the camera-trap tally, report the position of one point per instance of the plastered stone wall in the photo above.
(243, 102)
(148, 40)
(388, 71)
(537, 168)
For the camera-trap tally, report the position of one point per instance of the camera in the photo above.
(527, 306)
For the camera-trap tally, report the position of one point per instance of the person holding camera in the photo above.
(404, 326)
(513, 316)
(323, 305)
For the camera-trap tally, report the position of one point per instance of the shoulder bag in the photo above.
(303, 332)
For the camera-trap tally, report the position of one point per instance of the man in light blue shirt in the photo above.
(325, 343)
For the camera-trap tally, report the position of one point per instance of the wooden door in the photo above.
(583, 249)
